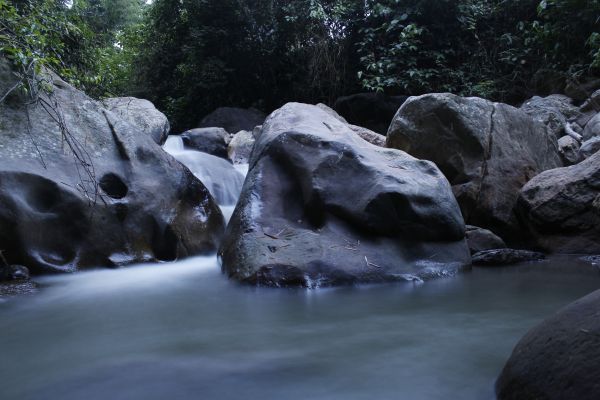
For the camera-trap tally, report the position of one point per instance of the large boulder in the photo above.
(320, 206)
(213, 141)
(559, 359)
(373, 111)
(81, 187)
(561, 208)
(233, 119)
(141, 114)
(553, 111)
(488, 151)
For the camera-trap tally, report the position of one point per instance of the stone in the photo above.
(488, 151)
(233, 119)
(366, 134)
(373, 111)
(498, 257)
(94, 190)
(553, 111)
(142, 114)
(560, 208)
(320, 207)
(589, 147)
(480, 239)
(580, 91)
(592, 128)
(240, 147)
(559, 359)
(568, 149)
(592, 103)
(212, 141)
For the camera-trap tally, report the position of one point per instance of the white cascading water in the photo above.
(222, 179)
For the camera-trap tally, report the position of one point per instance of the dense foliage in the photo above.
(190, 56)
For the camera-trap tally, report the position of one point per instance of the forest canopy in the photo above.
(191, 56)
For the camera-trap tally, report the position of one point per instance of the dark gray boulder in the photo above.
(213, 141)
(233, 119)
(589, 147)
(559, 359)
(480, 239)
(553, 111)
(581, 90)
(488, 151)
(498, 257)
(320, 206)
(373, 111)
(93, 190)
(568, 149)
(561, 208)
(141, 114)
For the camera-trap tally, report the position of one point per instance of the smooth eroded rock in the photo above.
(480, 239)
(94, 190)
(373, 111)
(321, 206)
(559, 359)
(488, 151)
(240, 147)
(212, 141)
(142, 114)
(589, 147)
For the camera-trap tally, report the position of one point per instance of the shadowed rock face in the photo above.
(488, 151)
(124, 201)
(561, 208)
(213, 141)
(559, 358)
(373, 111)
(233, 119)
(321, 206)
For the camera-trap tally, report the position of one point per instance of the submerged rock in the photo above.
(212, 141)
(141, 114)
(320, 206)
(505, 257)
(561, 208)
(480, 239)
(488, 151)
(559, 359)
(233, 119)
(93, 190)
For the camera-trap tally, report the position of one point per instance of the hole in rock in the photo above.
(113, 186)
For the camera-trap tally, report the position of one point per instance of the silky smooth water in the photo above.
(184, 331)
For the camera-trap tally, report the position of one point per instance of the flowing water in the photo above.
(184, 331)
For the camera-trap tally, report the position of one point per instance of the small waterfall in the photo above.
(221, 178)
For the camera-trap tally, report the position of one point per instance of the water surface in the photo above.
(184, 331)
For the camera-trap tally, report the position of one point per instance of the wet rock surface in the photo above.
(488, 151)
(559, 358)
(94, 190)
(499, 257)
(320, 206)
(212, 141)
